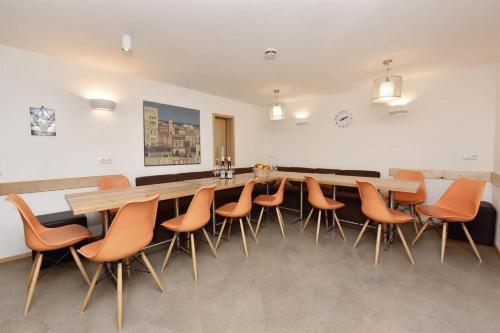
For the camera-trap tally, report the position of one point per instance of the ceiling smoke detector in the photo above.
(270, 54)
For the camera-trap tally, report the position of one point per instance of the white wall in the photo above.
(83, 135)
(496, 166)
(451, 114)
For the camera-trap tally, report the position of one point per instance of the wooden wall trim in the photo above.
(495, 179)
(449, 174)
(33, 186)
(14, 258)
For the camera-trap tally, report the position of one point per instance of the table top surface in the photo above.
(95, 201)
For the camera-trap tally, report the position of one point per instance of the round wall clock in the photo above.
(343, 119)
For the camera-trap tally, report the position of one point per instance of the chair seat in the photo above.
(444, 214)
(227, 210)
(400, 217)
(266, 200)
(90, 250)
(175, 224)
(331, 204)
(60, 237)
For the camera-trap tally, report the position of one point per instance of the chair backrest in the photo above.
(245, 201)
(279, 195)
(372, 204)
(111, 182)
(315, 194)
(31, 225)
(198, 212)
(463, 196)
(421, 194)
(131, 230)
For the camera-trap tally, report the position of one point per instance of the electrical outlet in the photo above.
(470, 157)
(105, 160)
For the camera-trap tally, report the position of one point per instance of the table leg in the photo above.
(301, 208)
(389, 229)
(176, 206)
(214, 223)
(108, 266)
(334, 197)
(106, 221)
(301, 205)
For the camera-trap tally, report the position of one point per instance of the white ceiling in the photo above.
(216, 46)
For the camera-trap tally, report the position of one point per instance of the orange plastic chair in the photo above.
(459, 204)
(40, 239)
(195, 218)
(130, 232)
(373, 206)
(411, 199)
(274, 200)
(113, 182)
(238, 210)
(318, 201)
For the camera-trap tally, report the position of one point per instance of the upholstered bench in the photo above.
(166, 208)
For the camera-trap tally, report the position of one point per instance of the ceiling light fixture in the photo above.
(270, 54)
(277, 110)
(387, 88)
(126, 43)
(102, 104)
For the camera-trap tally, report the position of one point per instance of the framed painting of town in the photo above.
(171, 135)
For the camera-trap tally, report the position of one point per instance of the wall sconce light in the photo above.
(102, 104)
(302, 117)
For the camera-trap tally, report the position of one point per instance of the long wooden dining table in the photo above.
(103, 201)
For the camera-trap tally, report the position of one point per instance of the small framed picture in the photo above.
(43, 121)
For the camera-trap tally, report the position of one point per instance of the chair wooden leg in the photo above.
(76, 257)
(443, 239)
(308, 218)
(280, 221)
(119, 296)
(318, 226)
(169, 251)
(471, 242)
(152, 271)
(209, 241)
(32, 270)
(420, 232)
(338, 224)
(92, 286)
(193, 255)
(377, 244)
(326, 220)
(220, 233)
(414, 214)
(251, 228)
(361, 233)
(258, 222)
(403, 240)
(34, 279)
(243, 238)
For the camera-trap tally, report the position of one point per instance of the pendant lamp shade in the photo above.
(388, 87)
(277, 110)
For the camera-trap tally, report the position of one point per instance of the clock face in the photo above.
(343, 119)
